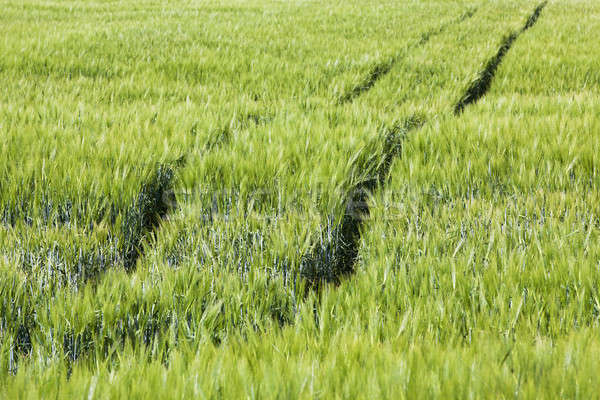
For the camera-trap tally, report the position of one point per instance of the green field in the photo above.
(314, 199)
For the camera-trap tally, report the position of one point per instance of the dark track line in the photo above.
(479, 87)
(381, 69)
(156, 198)
(336, 256)
(154, 202)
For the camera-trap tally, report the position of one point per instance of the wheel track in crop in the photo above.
(129, 226)
(153, 203)
(156, 197)
(381, 69)
(337, 256)
(155, 200)
(480, 86)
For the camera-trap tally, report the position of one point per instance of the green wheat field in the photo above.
(299, 199)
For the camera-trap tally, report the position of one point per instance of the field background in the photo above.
(259, 198)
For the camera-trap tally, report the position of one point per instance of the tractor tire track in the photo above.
(156, 197)
(337, 253)
(381, 69)
(153, 202)
(479, 87)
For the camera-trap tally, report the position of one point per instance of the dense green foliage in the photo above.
(299, 199)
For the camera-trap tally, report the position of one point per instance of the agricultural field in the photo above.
(299, 199)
